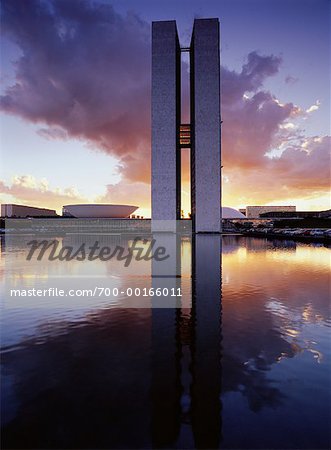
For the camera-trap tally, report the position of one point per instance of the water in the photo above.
(244, 363)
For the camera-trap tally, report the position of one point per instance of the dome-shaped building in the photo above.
(98, 211)
(231, 213)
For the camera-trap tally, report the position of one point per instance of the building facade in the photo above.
(297, 214)
(21, 211)
(253, 212)
(166, 111)
(202, 135)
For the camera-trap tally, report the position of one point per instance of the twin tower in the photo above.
(202, 135)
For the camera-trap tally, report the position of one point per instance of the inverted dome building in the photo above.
(98, 211)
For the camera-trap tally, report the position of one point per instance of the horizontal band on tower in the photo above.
(185, 135)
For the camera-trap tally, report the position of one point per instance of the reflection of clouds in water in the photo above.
(273, 317)
(275, 309)
(291, 325)
(26, 316)
(294, 319)
(251, 380)
(246, 364)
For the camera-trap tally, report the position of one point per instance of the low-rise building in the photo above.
(297, 214)
(254, 212)
(96, 211)
(11, 210)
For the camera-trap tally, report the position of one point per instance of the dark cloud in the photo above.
(291, 80)
(251, 77)
(84, 68)
(84, 72)
(250, 127)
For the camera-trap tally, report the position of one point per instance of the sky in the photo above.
(75, 100)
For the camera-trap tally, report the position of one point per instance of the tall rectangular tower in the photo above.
(205, 126)
(202, 135)
(165, 121)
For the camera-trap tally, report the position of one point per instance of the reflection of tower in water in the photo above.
(186, 372)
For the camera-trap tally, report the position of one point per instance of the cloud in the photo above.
(84, 72)
(288, 126)
(254, 120)
(314, 107)
(53, 133)
(28, 189)
(251, 127)
(302, 171)
(255, 125)
(306, 168)
(253, 73)
(133, 193)
(289, 79)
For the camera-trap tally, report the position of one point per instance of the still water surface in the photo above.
(244, 363)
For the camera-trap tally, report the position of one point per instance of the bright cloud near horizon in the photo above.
(75, 101)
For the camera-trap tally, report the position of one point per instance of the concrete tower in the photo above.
(202, 135)
(165, 121)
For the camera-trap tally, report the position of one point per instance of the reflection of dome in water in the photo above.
(231, 213)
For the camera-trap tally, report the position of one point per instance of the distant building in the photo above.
(21, 211)
(296, 214)
(231, 213)
(254, 212)
(94, 211)
(243, 211)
